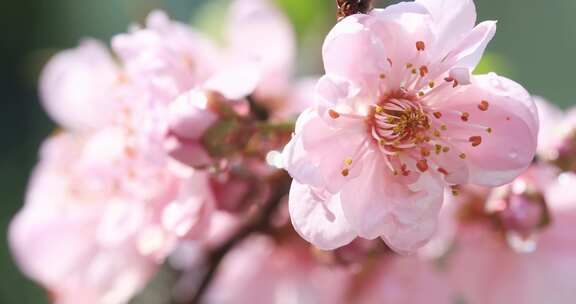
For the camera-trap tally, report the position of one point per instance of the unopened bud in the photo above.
(566, 153)
(520, 208)
(189, 115)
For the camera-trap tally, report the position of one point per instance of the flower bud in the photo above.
(566, 153)
(520, 210)
(200, 125)
(189, 116)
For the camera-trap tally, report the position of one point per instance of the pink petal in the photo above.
(367, 201)
(422, 203)
(509, 147)
(189, 116)
(76, 86)
(298, 165)
(452, 20)
(301, 97)
(365, 55)
(550, 117)
(317, 217)
(337, 94)
(251, 20)
(236, 81)
(468, 52)
(329, 148)
(188, 152)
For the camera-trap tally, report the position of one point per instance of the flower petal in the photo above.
(452, 20)
(331, 148)
(76, 86)
(368, 200)
(365, 56)
(317, 217)
(505, 131)
(406, 239)
(248, 23)
(468, 52)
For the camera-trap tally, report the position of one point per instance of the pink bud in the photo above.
(188, 152)
(523, 214)
(189, 116)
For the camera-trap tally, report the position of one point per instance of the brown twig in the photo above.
(351, 7)
(280, 184)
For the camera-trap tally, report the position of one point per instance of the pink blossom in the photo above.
(405, 280)
(98, 219)
(76, 86)
(398, 118)
(260, 271)
(165, 58)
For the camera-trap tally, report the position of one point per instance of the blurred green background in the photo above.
(534, 45)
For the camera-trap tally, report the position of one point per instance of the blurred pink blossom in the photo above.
(96, 225)
(165, 58)
(260, 271)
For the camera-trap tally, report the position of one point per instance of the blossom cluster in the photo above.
(412, 179)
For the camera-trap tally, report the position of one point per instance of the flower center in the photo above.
(399, 123)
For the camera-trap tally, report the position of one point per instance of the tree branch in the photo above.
(280, 184)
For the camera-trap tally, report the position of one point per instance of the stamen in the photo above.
(333, 114)
(465, 116)
(438, 148)
(423, 70)
(348, 161)
(345, 172)
(420, 46)
(425, 152)
(442, 170)
(437, 115)
(475, 140)
(483, 106)
(422, 165)
(462, 156)
(489, 130)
